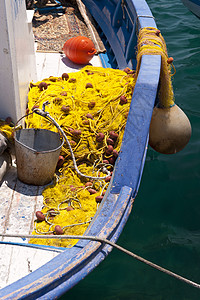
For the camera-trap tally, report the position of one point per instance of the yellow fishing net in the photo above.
(91, 106)
(6, 128)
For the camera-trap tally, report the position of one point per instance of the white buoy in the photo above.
(170, 130)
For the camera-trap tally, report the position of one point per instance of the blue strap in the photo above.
(44, 247)
(58, 2)
(57, 8)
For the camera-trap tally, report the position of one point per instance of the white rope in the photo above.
(102, 240)
(46, 115)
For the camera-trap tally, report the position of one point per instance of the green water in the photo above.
(164, 226)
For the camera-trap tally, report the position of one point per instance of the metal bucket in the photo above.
(37, 153)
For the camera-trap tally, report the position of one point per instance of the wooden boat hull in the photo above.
(69, 267)
(193, 6)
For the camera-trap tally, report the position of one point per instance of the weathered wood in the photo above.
(54, 64)
(88, 21)
(18, 261)
(18, 204)
(5, 161)
(3, 143)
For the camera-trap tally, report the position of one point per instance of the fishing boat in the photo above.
(38, 271)
(193, 6)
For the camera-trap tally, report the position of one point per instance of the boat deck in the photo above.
(54, 64)
(19, 201)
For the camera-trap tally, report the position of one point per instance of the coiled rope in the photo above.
(151, 42)
(106, 241)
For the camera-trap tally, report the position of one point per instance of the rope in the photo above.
(151, 42)
(103, 240)
(47, 116)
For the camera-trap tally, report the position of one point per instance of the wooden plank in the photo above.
(22, 210)
(54, 64)
(26, 260)
(6, 194)
(18, 203)
(20, 261)
(5, 256)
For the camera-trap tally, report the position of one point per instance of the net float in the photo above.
(89, 116)
(109, 150)
(100, 137)
(88, 184)
(170, 60)
(113, 135)
(99, 199)
(65, 76)
(60, 162)
(58, 230)
(88, 85)
(40, 216)
(110, 141)
(43, 86)
(123, 100)
(92, 191)
(108, 178)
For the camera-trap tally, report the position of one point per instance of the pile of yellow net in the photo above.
(91, 106)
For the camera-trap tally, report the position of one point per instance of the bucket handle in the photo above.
(43, 114)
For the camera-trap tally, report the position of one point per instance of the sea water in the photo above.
(164, 226)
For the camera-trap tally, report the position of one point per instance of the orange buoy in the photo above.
(79, 49)
(170, 60)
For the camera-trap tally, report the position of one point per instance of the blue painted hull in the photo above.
(193, 6)
(118, 27)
